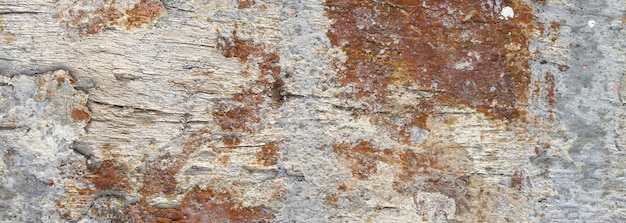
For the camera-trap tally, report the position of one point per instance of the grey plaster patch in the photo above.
(583, 161)
(418, 135)
(35, 132)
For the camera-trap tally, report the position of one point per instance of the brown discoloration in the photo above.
(554, 27)
(158, 179)
(228, 140)
(247, 51)
(552, 85)
(109, 176)
(516, 180)
(79, 115)
(244, 4)
(269, 154)
(242, 113)
(101, 18)
(89, 22)
(6, 37)
(238, 116)
(143, 12)
(223, 159)
(208, 205)
(159, 175)
(142, 212)
(167, 215)
(441, 168)
(362, 156)
(60, 80)
(461, 54)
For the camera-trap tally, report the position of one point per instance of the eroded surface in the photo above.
(311, 111)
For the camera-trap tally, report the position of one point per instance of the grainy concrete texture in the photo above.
(312, 111)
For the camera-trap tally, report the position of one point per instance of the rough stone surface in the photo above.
(312, 111)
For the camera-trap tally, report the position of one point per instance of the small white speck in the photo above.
(591, 23)
(464, 65)
(492, 89)
(506, 13)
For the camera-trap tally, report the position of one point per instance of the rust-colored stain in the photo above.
(143, 12)
(223, 159)
(142, 212)
(79, 115)
(109, 176)
(246, 51)
(207, 205)
(442, 168)
(458, 52)
(241, 114)
(6, 37)
(158, 179)
(363, 157)
(550, 93)
(554, 27)
(517, 180)
(159, 174)
(268, 154)
(89, 22)
(244, 4)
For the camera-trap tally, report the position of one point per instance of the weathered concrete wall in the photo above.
(312, 111)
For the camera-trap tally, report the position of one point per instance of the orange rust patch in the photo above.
(79, 115)
(159, 176)
(143, 12)
(159, 179)
(109, 176)
(241, 113)
(458, 51)
(246, 51)
(208, 205)
(233, 116)
(268, 154)
(228, 140)
(104, 15)
(244, 4)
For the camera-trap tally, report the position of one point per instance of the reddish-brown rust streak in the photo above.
(468, 57)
